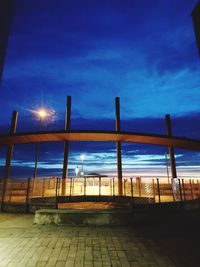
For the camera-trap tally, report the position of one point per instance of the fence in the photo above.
(27, 194)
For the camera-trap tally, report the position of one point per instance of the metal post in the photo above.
(99, 185)
(84, 186)
(36, 157)
(183, 186)
(191, 189)
(9, 157)
(158, 189)
(167, 167)
(139, 186)
(171, 149)
(27, 195)
(66, 145)
(113, 180)
(154, 192)
(36, 162)
(131, 187)
(180, 189)
(56, 197)
(125, 180)
(70, 187)
(194, 188)
(111, 186)
(73, 186)
(43, 187)
(198, 188)
(118, 147)
(172, 183)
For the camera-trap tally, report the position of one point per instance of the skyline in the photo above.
(146, 54)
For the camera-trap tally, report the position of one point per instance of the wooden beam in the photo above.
(66, 145)
(110, 136)
(171, 148)
(118, 148)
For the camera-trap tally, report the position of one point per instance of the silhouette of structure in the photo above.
(6, 11)
(196, 21)
(114, 136)
(67, 135)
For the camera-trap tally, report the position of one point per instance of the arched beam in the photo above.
(163, 140)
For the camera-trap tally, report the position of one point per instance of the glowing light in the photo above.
(42, 113)
(82, 157)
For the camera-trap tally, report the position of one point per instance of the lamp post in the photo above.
(77, 171)
(167, 166)
(82, 157)
(42, 114)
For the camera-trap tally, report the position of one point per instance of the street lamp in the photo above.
(82, 157)
(77, 171)
(167, 166)
(42, 114)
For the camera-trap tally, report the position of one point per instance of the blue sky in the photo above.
(142, 51)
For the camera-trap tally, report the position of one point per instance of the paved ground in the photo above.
(24, 244)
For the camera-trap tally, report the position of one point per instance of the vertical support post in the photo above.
(9, 155)
(99, 185)
(167, 167)
(73, 186)
(191, 190)
(154, 192)
(139, 186)
(36, 161)
(198, 188)
(85, 186)
(43, 187)
(56, 196)
(158, 189)
(172, 184)
(171, 149)
(125, 180)
(183, 186)
(27, 195)
(66, 145)
(131, 187)
(118, 147)
(70, 187)
(180, 189)
(111, 186)
(194, 188)
(113, 182)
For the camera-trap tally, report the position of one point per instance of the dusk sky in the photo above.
(142, 51)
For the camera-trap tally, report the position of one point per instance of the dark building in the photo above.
(6, 12)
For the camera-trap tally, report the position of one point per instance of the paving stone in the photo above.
(24, 244)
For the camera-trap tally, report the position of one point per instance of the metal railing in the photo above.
(23, 194)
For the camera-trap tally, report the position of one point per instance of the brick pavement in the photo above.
(24, 244)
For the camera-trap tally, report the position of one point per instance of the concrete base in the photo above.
(82, 217)
(177, 212)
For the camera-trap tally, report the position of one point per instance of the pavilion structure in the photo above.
(117, 136)
(66, 188)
